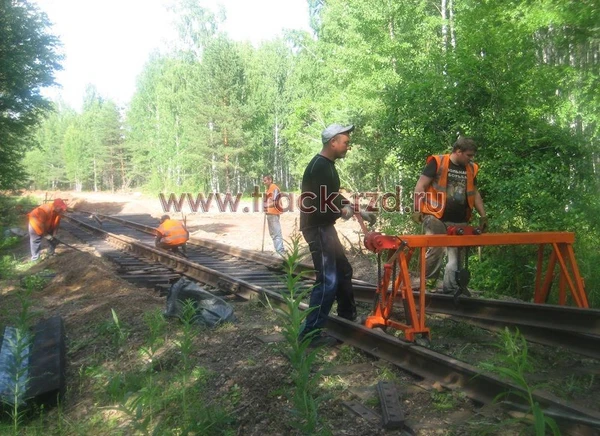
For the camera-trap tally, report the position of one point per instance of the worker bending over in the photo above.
(171, 235)
(43, 223)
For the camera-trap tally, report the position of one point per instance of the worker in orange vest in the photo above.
(43, 223)
(171, 235)
(273, 210)
(444, 196)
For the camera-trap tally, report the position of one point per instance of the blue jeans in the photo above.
(275, 232)
(334, 278)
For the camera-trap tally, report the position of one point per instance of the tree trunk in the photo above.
(225, 145)
(444, 26)
(95, 176)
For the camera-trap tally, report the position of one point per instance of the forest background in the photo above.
(214, 115)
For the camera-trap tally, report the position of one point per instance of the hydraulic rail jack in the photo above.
(395, 252)
(395, 281)
(462, 274)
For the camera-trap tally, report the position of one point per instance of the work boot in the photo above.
(323, 340)
(360, 319)
(415, 282)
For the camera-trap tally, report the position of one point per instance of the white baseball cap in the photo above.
(334, 129)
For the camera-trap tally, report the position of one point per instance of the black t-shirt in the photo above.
(321, 200)
(456, 191)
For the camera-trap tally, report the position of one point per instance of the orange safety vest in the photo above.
(172, 233)
(435, 197)
(43, 219)
(272, 210)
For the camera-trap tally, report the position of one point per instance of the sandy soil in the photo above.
(83, 288)
(244, 230)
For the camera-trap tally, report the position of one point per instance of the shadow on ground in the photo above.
(108, 208)
(218, 228)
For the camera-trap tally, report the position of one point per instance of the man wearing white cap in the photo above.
(321, 206)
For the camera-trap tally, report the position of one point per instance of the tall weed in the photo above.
(514, 363)
(18, 340)
(304, 396)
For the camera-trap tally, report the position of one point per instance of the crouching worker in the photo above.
(171, 235)
(43, 223)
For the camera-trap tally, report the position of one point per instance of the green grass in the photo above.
(334, 383)
(442, 400)
(512, 363)
(8, 267)
(388, 374)
(128, 396)
(9, 242)
(348, 355)
(120, 393)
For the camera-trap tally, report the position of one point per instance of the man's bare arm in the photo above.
(479, 204)
(422, 185)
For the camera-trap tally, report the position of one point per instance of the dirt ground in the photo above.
(243, 230)
(245, 369)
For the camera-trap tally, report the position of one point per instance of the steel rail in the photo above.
(566, 318)
(586, 345)
(548, 316)
(213, 245)
(451, 373)
(573, 328)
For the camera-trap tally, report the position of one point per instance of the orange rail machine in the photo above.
(396, 278)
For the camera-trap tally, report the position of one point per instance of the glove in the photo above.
(49, 238)
(483, 224)
(368, 217)
(417, 217)
(347, 212)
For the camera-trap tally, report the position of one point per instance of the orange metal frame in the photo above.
(400, 251)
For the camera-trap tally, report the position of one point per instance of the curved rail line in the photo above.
(252, 279)
(573, 328)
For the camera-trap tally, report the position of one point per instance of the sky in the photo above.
(107, 42)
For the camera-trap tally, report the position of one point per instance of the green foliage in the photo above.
(35, 282)
(113, 328)
(389, 374)
(156, 323)
(303, 396)
(25, 68)
(150, 402)
(443, 400)
(348, 355)
(18, 340)
(186, 347)
(215, 115)
(575, 385)
(513, 363)
(189, 329)
(9, 242)
(80, 151)
(12, 212)
(7, 266)
(17, 371)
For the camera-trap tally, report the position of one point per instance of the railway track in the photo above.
(577, 330)
(252, 275)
